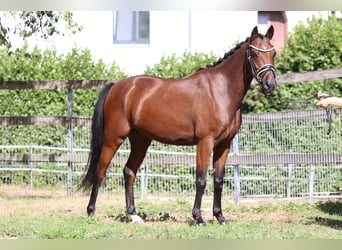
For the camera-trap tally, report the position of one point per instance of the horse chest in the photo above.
(228, 127)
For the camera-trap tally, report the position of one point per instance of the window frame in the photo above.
(134, 29)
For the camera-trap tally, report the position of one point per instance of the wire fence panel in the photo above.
(283, 155)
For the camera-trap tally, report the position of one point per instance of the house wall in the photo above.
(170, 32)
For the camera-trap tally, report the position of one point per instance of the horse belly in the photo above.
(171, 124)
(167, 128)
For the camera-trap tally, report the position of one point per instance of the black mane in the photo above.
(228, 54)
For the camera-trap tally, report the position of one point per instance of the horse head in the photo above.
(260, 54)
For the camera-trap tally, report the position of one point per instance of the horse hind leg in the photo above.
(107, 153)
(139, 146)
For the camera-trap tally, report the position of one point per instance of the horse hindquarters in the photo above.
(109, 130)
(91, 180)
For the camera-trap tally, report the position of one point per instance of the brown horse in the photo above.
(203, 109)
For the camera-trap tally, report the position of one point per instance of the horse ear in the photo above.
(254, 33)
(270, 32)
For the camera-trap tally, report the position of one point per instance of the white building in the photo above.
(136, 39)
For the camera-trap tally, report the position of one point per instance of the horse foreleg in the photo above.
(139, 146)
(204, 149)
(219, 161)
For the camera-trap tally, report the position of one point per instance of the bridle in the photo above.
(256, 73)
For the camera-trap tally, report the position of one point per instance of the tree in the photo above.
(45, 24)
(315, 46)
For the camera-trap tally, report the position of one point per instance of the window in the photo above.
(131, 27)
(262, 22)
(338, 14)
(279, 21)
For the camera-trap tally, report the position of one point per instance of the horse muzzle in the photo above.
(266, 78)
(268, 86)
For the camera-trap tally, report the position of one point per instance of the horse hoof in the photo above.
(136, 219)
(91, 214)
(201, 224)
(225, 222)
(91, 211)
(221, 220)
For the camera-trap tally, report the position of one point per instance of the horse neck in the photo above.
(238, 75)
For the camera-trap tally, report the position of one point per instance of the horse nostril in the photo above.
(269, 85)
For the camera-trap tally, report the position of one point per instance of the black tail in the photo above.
(90, 177)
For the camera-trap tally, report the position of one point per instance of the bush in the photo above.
(22, 64)
(178, 67)
(315, 46)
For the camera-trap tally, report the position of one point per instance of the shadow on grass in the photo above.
(331, 208)
(332, 223)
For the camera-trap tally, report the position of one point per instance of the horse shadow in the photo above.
(331, 208)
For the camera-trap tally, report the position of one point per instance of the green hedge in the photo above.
(22, 64)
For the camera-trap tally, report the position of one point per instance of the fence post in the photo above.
(70, 141)
(236, 171)
(289, 176)
(143, 176)
(312, 183)
(31, 169)
(142, 182)
(146, 180)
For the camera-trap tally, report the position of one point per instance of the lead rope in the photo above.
(329, 112)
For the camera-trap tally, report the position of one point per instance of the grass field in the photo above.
(47, 217)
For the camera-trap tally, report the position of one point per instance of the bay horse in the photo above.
(203, 109)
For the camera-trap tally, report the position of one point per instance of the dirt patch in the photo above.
(278, 217)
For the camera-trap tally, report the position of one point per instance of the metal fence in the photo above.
(275, 155)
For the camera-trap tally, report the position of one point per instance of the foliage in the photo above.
(22, 64)
(174, 66)
(40, 23)
(316, 46)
